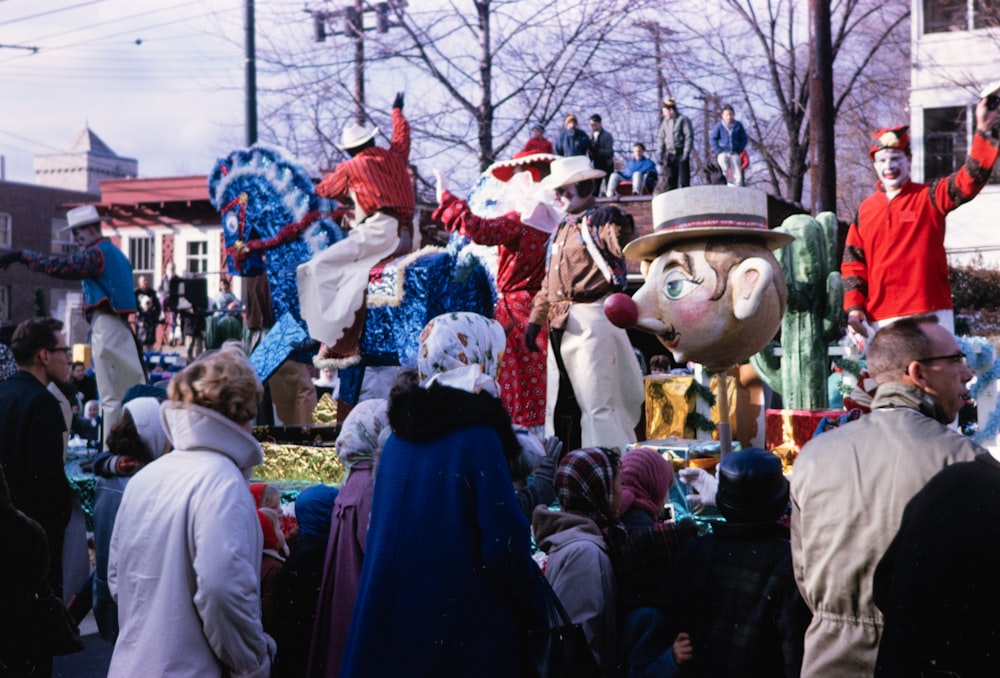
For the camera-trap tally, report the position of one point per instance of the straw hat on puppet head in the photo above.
(700, 212)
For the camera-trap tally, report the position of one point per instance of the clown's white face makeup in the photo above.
(569, 200)
(893, 169)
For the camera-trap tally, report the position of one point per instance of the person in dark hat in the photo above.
(734, 590)
(108, 299)
(675, 141)
(332, 284)
(602, 146)
(894, 263)
(538, 143)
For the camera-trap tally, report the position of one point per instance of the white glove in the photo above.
(704, 484)
(441, 185)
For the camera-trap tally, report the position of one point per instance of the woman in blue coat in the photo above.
(448, 582)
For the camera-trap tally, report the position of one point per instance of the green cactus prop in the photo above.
(812, 317)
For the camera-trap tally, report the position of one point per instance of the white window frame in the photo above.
(6, 228)
(196, 262)
(143, 263)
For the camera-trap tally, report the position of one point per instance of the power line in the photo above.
(51, 11)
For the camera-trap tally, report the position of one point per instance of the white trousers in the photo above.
(605, 376)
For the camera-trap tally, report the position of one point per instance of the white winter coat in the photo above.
(185, 556)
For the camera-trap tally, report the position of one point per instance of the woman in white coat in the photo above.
(186, 548)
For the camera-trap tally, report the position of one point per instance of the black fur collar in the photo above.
(421, 415)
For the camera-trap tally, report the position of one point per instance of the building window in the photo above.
(5, 223)
(945, 15)
(140, 255)
(4, 302)
(197, 257)
(986, 13)
(945, 141)
(62, 238)
(941, 16)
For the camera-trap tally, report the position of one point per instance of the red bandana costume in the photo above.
(520, 270)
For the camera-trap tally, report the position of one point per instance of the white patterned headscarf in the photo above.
(359, 434)
(463, 351)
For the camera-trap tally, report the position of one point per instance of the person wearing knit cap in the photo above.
(537, 143)
(734, 590)
(344, 549)
(572, 140)
(298, 585)
(894, 263)
(448, 586)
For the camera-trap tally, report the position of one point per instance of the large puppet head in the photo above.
(714, 293)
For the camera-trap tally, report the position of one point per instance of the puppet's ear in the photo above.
(748, 282)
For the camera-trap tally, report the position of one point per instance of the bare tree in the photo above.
(477, 74)
(754, 55)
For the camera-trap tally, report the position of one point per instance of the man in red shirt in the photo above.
(332, 284)
(895, 264)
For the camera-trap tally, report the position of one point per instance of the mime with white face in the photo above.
(894, 263)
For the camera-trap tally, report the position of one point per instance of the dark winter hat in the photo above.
(669, 103)
(751, 486)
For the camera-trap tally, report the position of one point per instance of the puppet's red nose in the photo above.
(621, 310)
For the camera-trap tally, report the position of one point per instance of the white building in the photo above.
(955, 53)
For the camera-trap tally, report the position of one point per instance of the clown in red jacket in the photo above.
(894, 261)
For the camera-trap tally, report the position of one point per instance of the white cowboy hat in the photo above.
(700, 212)
(82, 216)
(354, 135)
(571, 170)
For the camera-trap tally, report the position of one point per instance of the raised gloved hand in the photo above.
(440, 185)
(10, 258)
(546, 470)
(398, 101)
(531, 337)
(704, 484)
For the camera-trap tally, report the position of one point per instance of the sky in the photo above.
(160, 81)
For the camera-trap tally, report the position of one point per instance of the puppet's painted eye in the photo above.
(678, 285)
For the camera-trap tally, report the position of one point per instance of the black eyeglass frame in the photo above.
(954, 357)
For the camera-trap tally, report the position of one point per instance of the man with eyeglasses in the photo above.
(108, 298)
(850, 486)
(31, 433)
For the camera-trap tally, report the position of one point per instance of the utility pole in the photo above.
(354, 28)
(824, 166)
(657, 32)
(250, 56)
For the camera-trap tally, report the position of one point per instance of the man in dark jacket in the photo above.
(31, 433)
(572, 140)
(951, 527)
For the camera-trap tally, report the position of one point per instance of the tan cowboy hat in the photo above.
(354, 135)
(703, 212)
(82, 216)
(571, 170)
